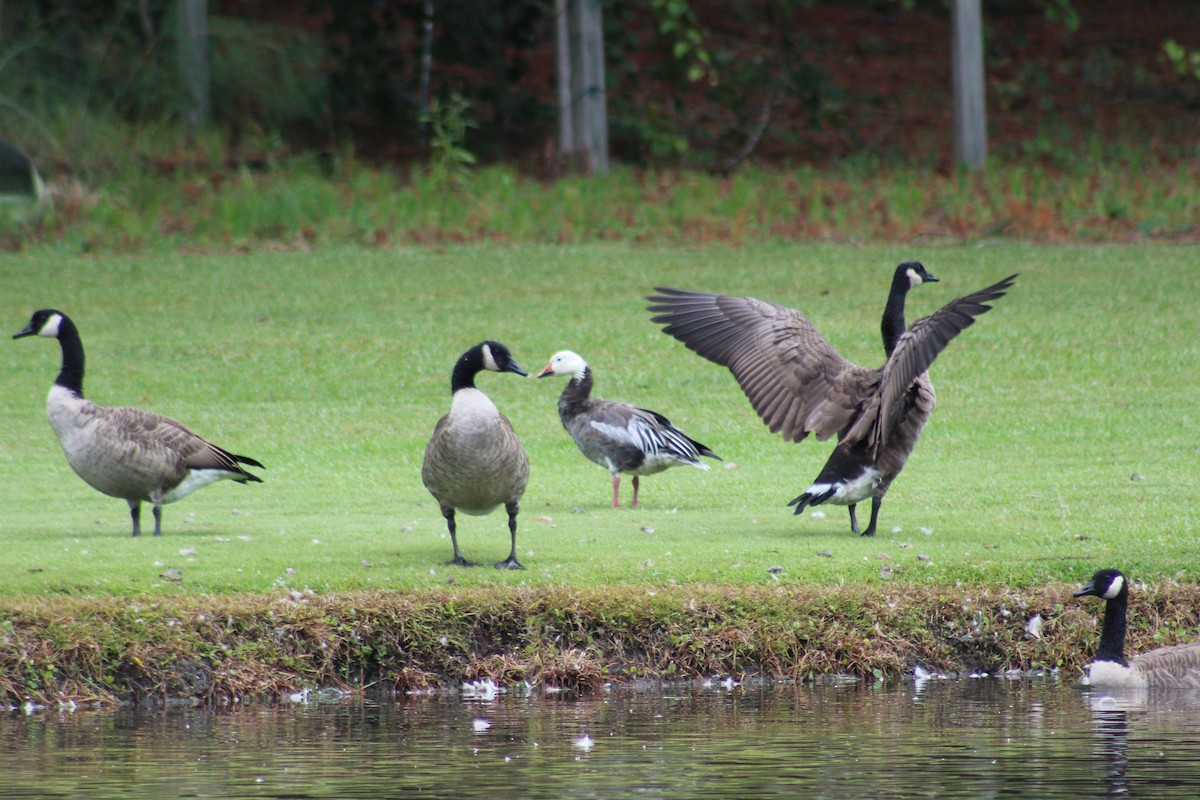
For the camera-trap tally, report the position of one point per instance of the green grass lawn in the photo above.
(1067, 435)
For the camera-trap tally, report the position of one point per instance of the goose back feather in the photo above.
(127, 453)
(800, 385)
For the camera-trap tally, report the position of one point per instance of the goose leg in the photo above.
(511, 562)
(135, 512)
(156, 501)
(635, 491)
(853, 518)
(616, 489)
(448, 513)
(876, 502)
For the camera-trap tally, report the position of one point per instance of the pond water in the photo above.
(969, 738)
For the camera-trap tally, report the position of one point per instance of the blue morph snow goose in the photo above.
(619, 436)
(474, 462)
(799, 384)
(135, 455)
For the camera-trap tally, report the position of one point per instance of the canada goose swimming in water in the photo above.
(128, 453)
(474, 461)
(1175, 667)
(619, 436)
(799, 384)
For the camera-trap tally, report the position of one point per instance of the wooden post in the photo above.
(193, 62)
(562, 39)
(583, 114)
(970, 107)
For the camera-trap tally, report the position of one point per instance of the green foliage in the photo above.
(266, 78)
(678, 22)
(1062, 12)
(1185, 62)
(450, 120)
(720, 81)
(178, 197)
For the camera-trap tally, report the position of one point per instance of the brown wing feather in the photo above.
(159, 434)
(1175, 667)
(792, 376)
(915, 352)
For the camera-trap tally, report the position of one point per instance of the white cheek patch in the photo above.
(1114, 588)
(913, 278)
(50, 329)
(489, 361)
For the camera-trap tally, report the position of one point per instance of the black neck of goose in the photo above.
(577, 390)
(70, 375)
(1112, 635)
(465, 370)
(892, 326)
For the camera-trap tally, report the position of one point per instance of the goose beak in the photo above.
(930, 278)
(515, 367)
(547, 371)
(1088, 588)
(26, 331)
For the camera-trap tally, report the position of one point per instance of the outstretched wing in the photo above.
(915, 352)
(792, 376)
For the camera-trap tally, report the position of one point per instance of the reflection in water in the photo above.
(980, 738)
(1146, 711)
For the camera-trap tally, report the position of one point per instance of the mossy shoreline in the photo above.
(236, 648)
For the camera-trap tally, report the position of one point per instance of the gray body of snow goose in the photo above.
(136, 455)
(619, 436)
(799, 384)
(474, 462)
(1175, 667)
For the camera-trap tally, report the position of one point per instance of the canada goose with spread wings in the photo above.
(799, 384)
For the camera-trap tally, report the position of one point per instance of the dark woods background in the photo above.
(691, 83)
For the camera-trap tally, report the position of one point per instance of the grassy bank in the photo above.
(1092, 194)
(226, 649)
(1063, 442)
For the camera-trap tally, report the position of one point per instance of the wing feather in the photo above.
(782, 363)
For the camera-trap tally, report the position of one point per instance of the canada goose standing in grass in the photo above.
(799, 384)
(1175, 667)
(619, 436)
(128, 453)
(474, 461)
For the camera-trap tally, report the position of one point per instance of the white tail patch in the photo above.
(196, 479)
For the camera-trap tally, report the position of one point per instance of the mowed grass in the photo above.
(1067, 435)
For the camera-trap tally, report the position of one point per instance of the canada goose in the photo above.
(799, 384)
(128, 453)
(619, 436)
(473, 461)
(1175, 667)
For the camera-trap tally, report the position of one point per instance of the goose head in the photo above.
(495, 357)
(565, 362)
(1108, 584)
(45, 322)
(913, 273)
